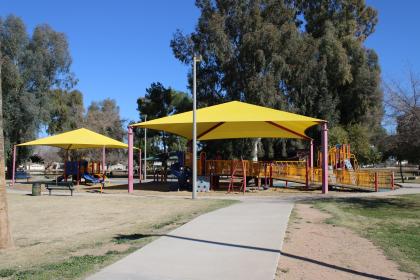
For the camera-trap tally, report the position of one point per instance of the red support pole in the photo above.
(324, 149)
(376, 182)
(392, 181)
(130, 159)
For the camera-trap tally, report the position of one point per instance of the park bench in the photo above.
(60, 186)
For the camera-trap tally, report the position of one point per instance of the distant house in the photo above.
(117, 166)
(35, 167)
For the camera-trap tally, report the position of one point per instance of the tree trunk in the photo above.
(283, 149)
(255, 143)
(401, 172)
(5, 237)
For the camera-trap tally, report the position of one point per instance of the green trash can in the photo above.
(36, 189)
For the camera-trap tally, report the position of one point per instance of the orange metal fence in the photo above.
(298, 171)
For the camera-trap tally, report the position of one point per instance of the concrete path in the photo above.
(242, 241)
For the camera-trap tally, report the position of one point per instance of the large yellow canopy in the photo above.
(235, 120)
(77, 139)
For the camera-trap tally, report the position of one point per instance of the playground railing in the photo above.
(292, 170)
(299, 171)
(224, 167)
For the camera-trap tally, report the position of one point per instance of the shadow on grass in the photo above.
(123, 238)
(149, 186)
(139, 236)
(375, 202)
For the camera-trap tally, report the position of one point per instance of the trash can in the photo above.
(36, 189)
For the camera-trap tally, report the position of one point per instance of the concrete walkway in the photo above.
(242, 241)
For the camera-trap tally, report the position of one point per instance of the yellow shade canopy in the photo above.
(77, 139)
(235, 120)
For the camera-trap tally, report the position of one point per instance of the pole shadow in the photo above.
(317, 262)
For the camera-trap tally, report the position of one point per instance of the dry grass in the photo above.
(51, 230)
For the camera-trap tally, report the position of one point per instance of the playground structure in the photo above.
(344, 172)
(92, 172)
(264, 172)
(241, 120)
(77, 139)
(340, 156)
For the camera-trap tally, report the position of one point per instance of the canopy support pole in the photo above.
(103, 161)
(311, 159)
(130, 159)
(311, 155)
(145, 151)
(139, 165)
(324, 149)
(14, 166)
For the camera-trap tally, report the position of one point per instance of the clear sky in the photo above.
(120, 47)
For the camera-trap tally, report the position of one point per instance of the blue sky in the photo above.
(120, 47)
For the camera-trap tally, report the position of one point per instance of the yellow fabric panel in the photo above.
(77, 139)
(240, 120)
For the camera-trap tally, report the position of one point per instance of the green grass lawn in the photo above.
(393, 224)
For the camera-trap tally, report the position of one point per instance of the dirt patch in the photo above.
(316, 250)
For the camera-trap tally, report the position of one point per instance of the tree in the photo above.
(302, 56)
(32, 66)
(5, 237)
(404, 110)
(104, 117)
(66, 111)
(338, 135)
(158, 102)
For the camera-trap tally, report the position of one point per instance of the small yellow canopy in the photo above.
(235, 120)
(77, 139)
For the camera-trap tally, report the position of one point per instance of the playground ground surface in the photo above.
(151, 188)
(114, 215)
(353, 238)
(63, 237)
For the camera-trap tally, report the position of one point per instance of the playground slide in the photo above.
(91, 179)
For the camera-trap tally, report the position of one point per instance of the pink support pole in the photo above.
(307, 175)
(311, 155)
(324, 149)
(103, 160)
(130, 159)
(311, 160)
(139, 165)
(14, 166)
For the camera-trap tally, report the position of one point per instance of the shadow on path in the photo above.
(138, 236)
